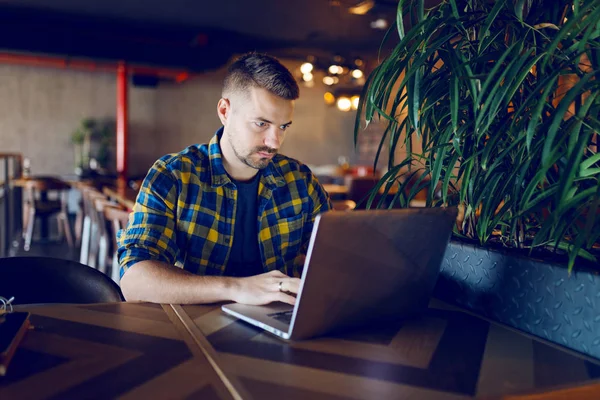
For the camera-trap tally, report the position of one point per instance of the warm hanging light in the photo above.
(357, 74)
(335, 69)
(362, 8)
(307, 77)
(344, 103)
(379, 23)
(355, 100)
(306, 68)
(329, 98)
(328, 80)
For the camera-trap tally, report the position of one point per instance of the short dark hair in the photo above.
(261, 70)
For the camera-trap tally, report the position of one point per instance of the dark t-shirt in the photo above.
(244, 256)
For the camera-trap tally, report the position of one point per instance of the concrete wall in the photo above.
(187, 114)
(41, 107)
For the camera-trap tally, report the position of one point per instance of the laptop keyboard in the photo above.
(283, 316)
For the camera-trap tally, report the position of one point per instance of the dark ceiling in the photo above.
(193, 34)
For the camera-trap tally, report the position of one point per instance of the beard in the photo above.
(246, 158)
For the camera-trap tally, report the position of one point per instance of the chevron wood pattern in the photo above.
(446, 354)
(107, 351)
(147, 351)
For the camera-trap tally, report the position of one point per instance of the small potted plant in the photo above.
(81, 139)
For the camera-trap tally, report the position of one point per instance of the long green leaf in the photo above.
(537, 114)
(560, 114)
(399, 20)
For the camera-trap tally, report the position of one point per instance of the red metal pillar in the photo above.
(122, 122)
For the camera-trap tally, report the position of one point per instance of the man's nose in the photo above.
(272, 139)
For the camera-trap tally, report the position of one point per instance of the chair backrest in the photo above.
(34, 280)
(117, 218)
(99, 205)
(90, 195)
(359, 187)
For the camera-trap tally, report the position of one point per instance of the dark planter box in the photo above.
(533, 296)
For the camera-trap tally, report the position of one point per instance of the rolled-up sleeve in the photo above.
(150, 233)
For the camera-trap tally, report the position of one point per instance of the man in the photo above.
(231, 220)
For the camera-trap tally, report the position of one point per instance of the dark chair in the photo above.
(37, 204)
(117, 218)
(34, 280)
(358, 189)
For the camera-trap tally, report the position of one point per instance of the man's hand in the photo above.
(264, 289)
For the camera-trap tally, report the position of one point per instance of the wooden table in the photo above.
(150, 351)
(104, 351)
(446, 354)
(343, 190)
(335, 190)
(125, 196)
(22, 183)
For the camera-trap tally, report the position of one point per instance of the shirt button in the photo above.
(231, 201)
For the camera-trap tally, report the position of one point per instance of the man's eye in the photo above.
(260, 124)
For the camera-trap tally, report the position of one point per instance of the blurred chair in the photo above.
(34, 280)
(136, 184)
(100, 246)
(37, 204)
(80, 214)
(343, 205)
(89, 235)
(359, 188)
(117, 219)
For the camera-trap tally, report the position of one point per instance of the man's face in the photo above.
(255, 126)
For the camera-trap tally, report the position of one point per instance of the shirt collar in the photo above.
(271, 176)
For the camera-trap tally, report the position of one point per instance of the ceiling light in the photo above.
(358, 62)
(329, 98)
(344, 104)
(307, 77)
(357, 74)
(306, 68)
(362, 8)
(355, 100)
(335, 69)
(379, 23)
(328, 80)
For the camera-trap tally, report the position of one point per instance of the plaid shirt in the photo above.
(184, 214)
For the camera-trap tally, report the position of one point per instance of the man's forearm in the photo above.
(157, 282)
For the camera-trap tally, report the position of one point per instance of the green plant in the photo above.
(92, 139)
(503, 98)
(81, 138)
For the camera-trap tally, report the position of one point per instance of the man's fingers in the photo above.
(285, 298)
(291, 285)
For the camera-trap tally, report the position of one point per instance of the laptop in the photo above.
(362, 267)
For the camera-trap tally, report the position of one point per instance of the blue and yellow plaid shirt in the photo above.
(184, 214)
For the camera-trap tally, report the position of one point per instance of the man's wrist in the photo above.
(232, 287)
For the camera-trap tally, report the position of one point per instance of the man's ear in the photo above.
(223, 110)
